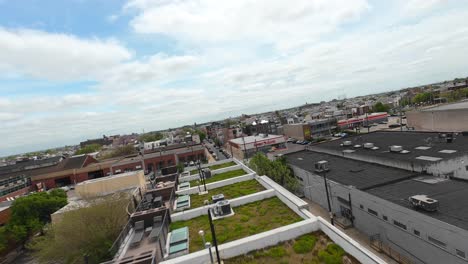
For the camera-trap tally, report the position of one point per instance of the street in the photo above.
(216, 151)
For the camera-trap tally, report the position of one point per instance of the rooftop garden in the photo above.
(221, 176)
(249, 219)
(230, 192)
(310, 248)
(215, 167)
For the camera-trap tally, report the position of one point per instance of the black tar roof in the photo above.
(408, 140)
(362, 175)
(451, 194)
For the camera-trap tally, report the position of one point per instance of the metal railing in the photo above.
(128, 226)
(377, 244)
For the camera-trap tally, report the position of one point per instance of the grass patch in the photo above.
(221, 176)
(313, 248)
(333, 254)
(238, 226)
(304, 244)
(230, 192)
(215, 167)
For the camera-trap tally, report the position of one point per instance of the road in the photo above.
(216, 151)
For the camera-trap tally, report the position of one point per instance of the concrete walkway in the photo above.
(355, 234)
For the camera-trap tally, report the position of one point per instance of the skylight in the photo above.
(448, 151)
(428, 158)
(422, 148)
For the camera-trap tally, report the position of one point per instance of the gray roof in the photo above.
(408, 140)
(30, 164)
(345, 171)
(451, 194)
(455, 106)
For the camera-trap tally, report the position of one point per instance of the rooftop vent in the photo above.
(375, 148)
(396, 148)
(347, 143)
(423, 202)
(322, 166)
(357, 146)
(405, 151)
(368, 145)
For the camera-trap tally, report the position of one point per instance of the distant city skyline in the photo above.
(72, 70)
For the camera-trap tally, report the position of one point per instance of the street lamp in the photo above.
(201, 174)
(202, 234)
(213, 235)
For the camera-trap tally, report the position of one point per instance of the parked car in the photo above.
(394, 125)
(305, 142)
(299, 142)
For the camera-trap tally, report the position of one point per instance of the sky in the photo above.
(78, 69)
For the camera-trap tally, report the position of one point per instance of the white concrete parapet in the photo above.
(209, 164)
(251, 243)
(213, 172)
(348, 244)
(192, 213)
(214, 185)
(245, 167)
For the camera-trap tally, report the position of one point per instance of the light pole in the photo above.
(201, 175)
(208, 246)
(202, 234)
(328, 197)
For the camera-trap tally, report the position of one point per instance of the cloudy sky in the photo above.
(77, 69)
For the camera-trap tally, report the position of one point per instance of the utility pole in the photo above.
(213, 234)
(328, 198)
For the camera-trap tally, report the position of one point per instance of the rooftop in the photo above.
(362, 175)
(422, 147)
(451, 194)
(253, 139)
(455, 106)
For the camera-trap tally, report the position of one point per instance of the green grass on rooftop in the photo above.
(230, 192)
(221, 176)
(249, 219)
(215, 167)
(310, 248)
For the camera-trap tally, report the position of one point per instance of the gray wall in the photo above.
(418, 249)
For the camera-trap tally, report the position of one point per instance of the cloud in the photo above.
(53, 56)
(266, 21)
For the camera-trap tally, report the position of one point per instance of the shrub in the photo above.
(332, 254)
(304, 244)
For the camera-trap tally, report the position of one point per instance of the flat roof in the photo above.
(253, 139)
(345, 171)
(419, 144)
(451, 194)
(455, 106)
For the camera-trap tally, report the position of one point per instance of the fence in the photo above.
(377, 244)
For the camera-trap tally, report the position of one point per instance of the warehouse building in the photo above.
(410, 201)
(245, 147)
(443, 118)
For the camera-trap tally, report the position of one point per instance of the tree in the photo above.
(278, 170)
(379, 107)
(423, 97)
(88, 149)
(29, 214)
(151, 136)
(121, 151)
(201, 134)
(88, 230)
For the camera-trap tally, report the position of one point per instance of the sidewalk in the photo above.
(355, 234)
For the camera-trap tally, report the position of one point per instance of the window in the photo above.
(460, 253)
(466, 167)
(385, 217)
(361, 206)
(416, 232)
(372, 212)
(437, 242)
(400, 225)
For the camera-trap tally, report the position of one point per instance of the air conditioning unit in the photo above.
(218, 197)
(322, 166)
(395, 148)
(347, 143)
(222, 208)
(423, 202)
(368, 145)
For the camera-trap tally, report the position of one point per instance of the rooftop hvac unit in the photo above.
(218, 197)
(347, 143)
(423, 202)
(322, 166)
(222, 208)
(207, 173)
(395, 148)
(368, 145)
